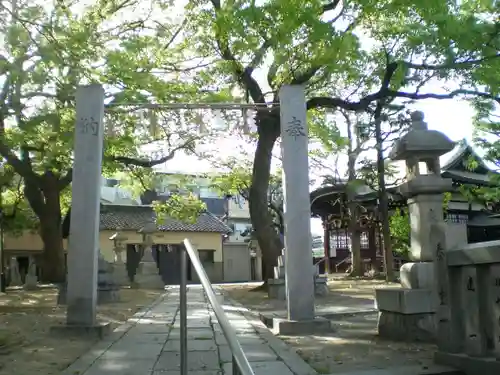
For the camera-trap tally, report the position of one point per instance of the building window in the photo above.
(340, 241)
(206, 256)
(365, 243)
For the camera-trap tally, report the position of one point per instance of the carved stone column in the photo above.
(15, 275)
(148, 273)
(31, 281)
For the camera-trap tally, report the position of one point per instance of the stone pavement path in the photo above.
(148, 344)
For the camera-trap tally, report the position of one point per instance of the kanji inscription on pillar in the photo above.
(88, 125)
(295, 128)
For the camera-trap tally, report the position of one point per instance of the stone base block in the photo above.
(417, 275)
(103, 295)
(297, 328)
(407, 327)
(31, 282)
(150, 281)
(97, 331)
(120, 275)
(467, 364)
(108, 296)
(320, 286)
(406, 301)
(276, 289)
(406, 314)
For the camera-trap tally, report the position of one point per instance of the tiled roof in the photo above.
(126, 217)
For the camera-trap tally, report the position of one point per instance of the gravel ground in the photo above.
(354, 344)
(26, 347)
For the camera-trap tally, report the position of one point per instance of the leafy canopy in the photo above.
(132, 48)
(183, 207)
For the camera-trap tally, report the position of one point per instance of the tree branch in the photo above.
(21, 167)
(364, 102)
(243, 75)
(129, 161)
(259, 56)
(451, 65)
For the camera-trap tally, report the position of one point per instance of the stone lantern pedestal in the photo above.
(119, 267)
(408, 313)
(108, 291)
(148, 273)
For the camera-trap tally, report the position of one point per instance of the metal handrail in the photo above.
(342, 262)
(241, 366)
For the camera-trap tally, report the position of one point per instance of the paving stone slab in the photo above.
(220, 339)
(193, 333)
(194, 324)
(192, 345)
(146, 338)
(150, 328)
(284, 352)
(254, 353)
(121, 367)
(211, 372)
(197, 361)
(262, 368)
(149, 343)
(246, 330)
(131, 350)
(154, 321)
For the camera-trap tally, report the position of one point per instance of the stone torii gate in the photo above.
(84, 230)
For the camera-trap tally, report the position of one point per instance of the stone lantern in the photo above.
(148, 274)
(119, 267)
(147, 235)
(409, 312)
(118, 245)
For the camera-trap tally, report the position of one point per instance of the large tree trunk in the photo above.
(355, 232)
(354, 229)
(53, 259)
(44, 198)
(383, 200)
(267, 237)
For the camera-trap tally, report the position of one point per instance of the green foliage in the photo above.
(128, 48)
(209, 55)
(185, 208)
(399, 224)
(237, 181)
